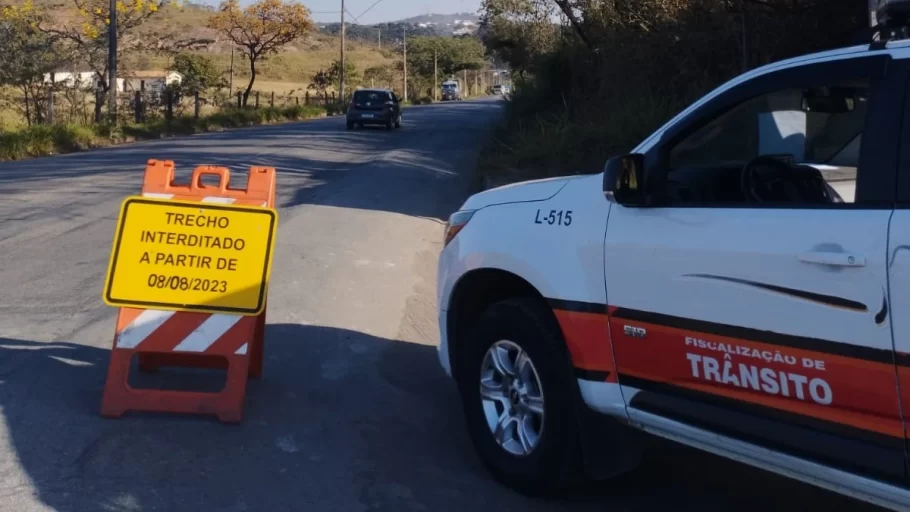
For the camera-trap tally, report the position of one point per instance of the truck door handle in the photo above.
(837, 259)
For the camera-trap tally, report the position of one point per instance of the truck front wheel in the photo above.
(517, 391)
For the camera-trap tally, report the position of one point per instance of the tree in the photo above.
(351, 75)
(447, 55)
(383, 75)
(199, 73)
(518, 33)
(30, 54)
(83, 30)
(261, 29)
(321, 81)
(468, 53)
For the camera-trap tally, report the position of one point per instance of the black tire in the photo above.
(555, 464)
(398, 122)
(350, 125)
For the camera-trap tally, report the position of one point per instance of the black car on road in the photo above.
(374, 107)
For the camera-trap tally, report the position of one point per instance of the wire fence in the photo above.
(145, 106)
(69, 105)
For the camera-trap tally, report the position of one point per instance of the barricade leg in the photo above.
(227, 405)
(115, 400)
(230, 408)
(257, 348)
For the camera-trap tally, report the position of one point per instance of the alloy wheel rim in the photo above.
(512, 398)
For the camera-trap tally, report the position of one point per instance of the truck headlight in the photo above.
(457, 221)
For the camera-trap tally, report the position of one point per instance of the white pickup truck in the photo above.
(739, 283)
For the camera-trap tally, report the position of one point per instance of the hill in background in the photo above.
(446, 24)
(424, 25)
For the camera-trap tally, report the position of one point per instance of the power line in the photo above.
(377, 2)
(356, 20)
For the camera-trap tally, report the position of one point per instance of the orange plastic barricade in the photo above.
(193, 339)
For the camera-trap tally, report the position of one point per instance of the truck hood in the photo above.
(523, 192)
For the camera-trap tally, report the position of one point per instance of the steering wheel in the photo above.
(767, 178)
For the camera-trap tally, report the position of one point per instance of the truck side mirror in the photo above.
(624, 178)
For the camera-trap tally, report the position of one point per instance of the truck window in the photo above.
(816, 131)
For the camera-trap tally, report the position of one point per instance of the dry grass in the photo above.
(9, 119)
(287, 74)
(288, 70)
(66, 138)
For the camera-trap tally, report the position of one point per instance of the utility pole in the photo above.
(380, 39)
(435, 74)
(467, 88)
(405, 30)
(112, 61)
(231, 86)
(342, 53)
(50, 101)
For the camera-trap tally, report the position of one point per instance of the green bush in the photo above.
(299, 112)
(230, 118)
(334, 109)
(42, 140)
(543, 136)
(45, 140)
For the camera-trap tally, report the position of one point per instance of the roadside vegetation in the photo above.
(51, 139)
(607, 74)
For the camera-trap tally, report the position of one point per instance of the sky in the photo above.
(387, 10)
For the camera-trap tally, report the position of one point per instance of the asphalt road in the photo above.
(353, 413)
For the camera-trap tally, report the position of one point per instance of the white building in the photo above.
(84, 79)
(152, 80)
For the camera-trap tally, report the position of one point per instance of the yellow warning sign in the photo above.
(191, 256)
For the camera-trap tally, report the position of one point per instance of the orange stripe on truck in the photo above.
(586, 335)
(835, 382)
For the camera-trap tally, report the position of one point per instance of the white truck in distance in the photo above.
(451, 90)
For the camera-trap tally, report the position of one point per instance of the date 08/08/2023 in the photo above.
(187, 284)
